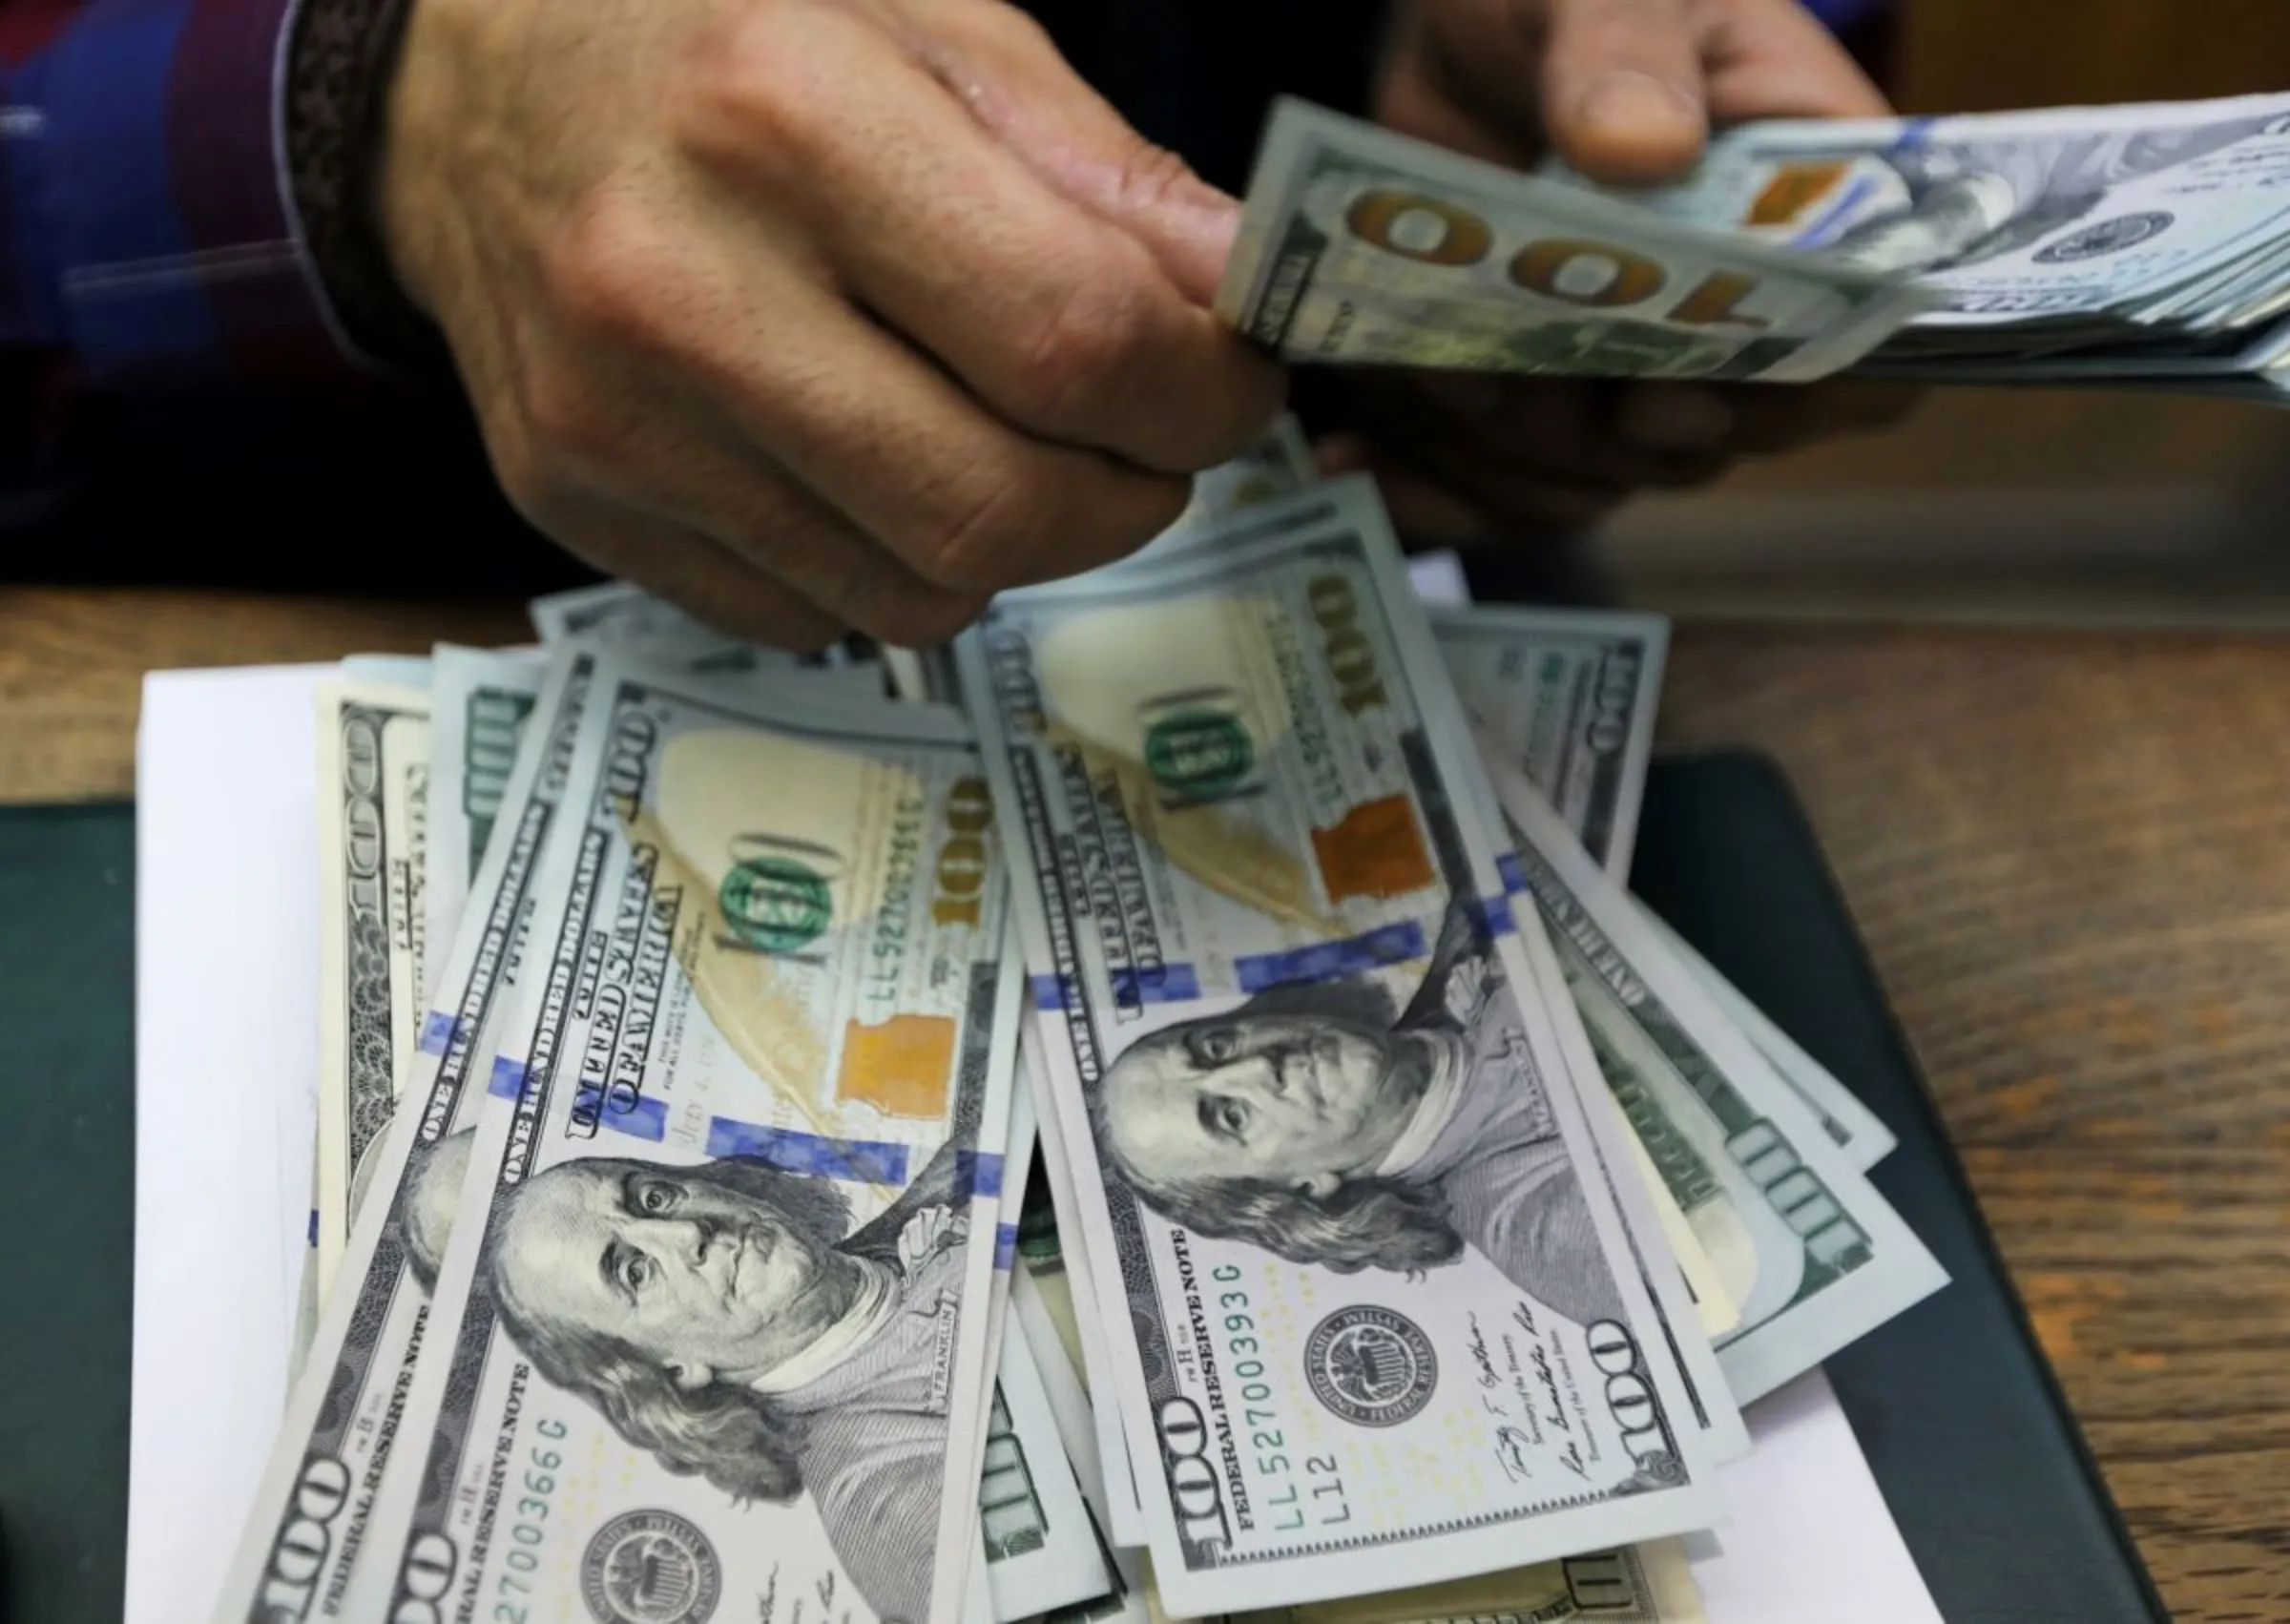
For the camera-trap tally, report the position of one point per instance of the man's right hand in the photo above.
(812, 313)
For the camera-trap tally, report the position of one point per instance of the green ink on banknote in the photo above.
(1200, 755)
(775, 904)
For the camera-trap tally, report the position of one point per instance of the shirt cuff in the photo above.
(158, 184)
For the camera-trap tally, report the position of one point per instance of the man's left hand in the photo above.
(1625, 90)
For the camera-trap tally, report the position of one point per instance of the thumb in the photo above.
(1622, 88)
(1017, 87)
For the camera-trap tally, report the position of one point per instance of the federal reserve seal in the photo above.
(1372, 1366)
(2108, 236)
(651, 1568)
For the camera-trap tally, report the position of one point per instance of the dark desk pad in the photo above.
(1963, 1426)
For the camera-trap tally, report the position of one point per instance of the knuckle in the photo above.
(1152, 177)
(602, 276)
(752, 105)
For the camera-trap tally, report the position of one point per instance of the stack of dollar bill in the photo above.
(1413, 1213)
(2132, 246)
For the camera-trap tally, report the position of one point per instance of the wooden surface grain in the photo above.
(2070, 856)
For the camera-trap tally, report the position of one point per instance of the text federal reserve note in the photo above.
(1361, 1295)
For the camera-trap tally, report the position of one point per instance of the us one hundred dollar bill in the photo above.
(1046, 1327)
(1373, 1300)
(1363, 246)
(1812, 1254)
(2134, 246)
(373, 765)
(483, 697)
(1568, 697)
(1278, 465)
(1043, 1551)
(1850, 1125)
(1621, 1159)
(1042, 1547)
(1583, 709)
(719, 1334)
(625, 618)
(2163, 211)
(1652, 1584)
(313, 1512)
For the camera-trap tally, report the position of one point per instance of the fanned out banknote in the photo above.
(732, 1276)
(1043, 1548)
(2135, 246)
(1361, 246)
(1567, 697)
(1812, 1254)
(2139, 244)
(1044, 1552)
(313, 1512)
(373, 762)
(483, 700)
(1411, 1201)
(631, 621)
(1330, 1155)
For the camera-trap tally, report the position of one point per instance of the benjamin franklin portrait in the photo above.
(727, 1319)
(1325, 1125)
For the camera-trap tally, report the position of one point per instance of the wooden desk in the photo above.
(2071, 857)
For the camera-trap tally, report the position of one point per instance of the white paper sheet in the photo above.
(1811, 1541)
(227, 1009)
(226, 1071)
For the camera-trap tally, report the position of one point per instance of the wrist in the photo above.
(341, 66)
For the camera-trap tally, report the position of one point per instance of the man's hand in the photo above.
(1626, 92)
(812, 313)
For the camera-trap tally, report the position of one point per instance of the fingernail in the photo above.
(1466, 394)
(1682, 417)
(1628, 103)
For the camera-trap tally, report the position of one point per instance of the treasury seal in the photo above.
(2108, 236)
(1372, 1366)
(651, 1568)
